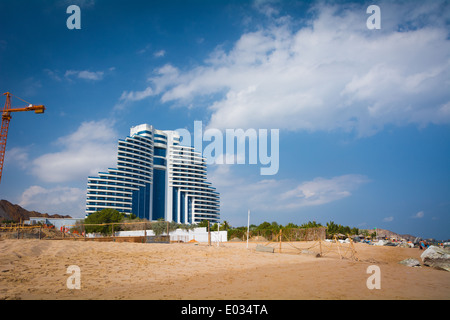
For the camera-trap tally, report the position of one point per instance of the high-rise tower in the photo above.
(156, 177)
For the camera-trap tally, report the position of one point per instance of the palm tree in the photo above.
(226, 225)
(332, 228)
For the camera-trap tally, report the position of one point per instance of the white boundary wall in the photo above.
(198, 234)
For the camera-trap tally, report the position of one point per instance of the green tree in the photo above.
(238, 232)
(310, 224)
(263, 226)
(105, 216)
(159, 227)
(173, 226)
(132, 216)
(187, 226)
(226, 225)
(203, 224)
(333, 228)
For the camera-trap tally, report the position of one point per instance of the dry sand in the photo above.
(36, 269)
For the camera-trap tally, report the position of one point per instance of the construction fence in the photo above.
(311, 241)
(21, 231)
(288, 241)
(140, 231)
(288, 234)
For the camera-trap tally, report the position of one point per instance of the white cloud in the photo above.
(17, 156)
(168, 74)
(88, 150)
(269, 195)
(132, 96)
(85, 74)
(388, 219)
(160, 53)
(331, 74)
(71, 75)
(265, 7)
(419, 215)
(58, 200)
(320, 190)
(136, 95)
(53, 74)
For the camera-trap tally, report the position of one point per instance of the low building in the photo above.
(180, 235)
(59, 223)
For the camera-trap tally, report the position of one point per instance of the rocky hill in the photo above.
(389, 234)
(9, 211)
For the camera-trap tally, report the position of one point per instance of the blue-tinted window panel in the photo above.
(161, 141)
(159, 161)
(159, 194)
(160, 152)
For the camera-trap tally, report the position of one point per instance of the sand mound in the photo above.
(37, 269)
(258, 239)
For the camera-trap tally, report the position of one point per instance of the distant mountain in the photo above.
(389, 234)
(9, 211)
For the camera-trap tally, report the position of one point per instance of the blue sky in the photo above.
(363, 114)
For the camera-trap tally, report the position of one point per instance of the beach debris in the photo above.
(5, 269)
(258, 238)
(436, 257)
(410, 262)
(385, 243)
(381, 243)
(262, 248)
(316, 254)
(406, 245)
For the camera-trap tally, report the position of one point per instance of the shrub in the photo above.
(102, 217)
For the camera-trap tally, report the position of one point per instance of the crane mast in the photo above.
(6, 118)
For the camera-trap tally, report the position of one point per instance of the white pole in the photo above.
(218, 233)
(248, 226)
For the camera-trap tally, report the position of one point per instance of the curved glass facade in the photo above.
(194, 199)
(155, 178)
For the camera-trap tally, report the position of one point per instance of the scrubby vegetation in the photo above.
(268, 230)
(265, 229)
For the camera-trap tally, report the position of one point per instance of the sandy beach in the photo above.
(37, 269)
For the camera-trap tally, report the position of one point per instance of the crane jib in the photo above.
(6, 118)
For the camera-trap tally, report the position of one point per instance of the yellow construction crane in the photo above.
(6, 118)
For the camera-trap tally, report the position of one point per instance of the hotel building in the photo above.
(156, 177)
